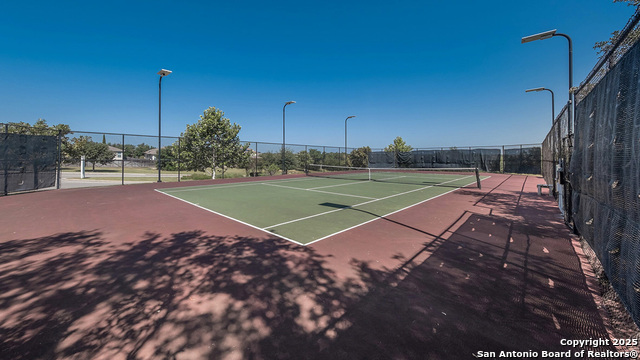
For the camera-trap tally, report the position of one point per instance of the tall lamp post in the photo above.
(162, 74)
(547, 35)
(345, 138)
(553, 117)
(284, 170)
(553, 112)
(566, 206)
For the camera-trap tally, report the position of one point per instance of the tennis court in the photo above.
(329, 201)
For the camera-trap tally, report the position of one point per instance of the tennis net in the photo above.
(416, 176)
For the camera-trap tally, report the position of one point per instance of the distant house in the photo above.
(151, 154)
(117, 153)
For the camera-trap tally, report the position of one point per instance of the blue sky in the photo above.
(437, 73)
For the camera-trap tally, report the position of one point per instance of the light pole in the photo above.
(547, 35)
(284, 170)
(345, 138)
(553, 112)
(571, 118)
(553, 117)
(162, 74)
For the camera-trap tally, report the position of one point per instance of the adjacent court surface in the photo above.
(309, 209)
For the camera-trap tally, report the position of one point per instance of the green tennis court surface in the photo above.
(309, 209)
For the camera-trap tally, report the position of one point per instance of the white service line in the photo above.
(364, 203)
(320, 191)
(383, 216)
(352, 182)
(231, 185)
(391, 213)
(229, 217)
(390, 178)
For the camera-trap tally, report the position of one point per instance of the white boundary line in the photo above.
(224, 186)
(320, 191)
(352, 182)
(230, 218)
(322, 238)
(364, 203)
(383, 216)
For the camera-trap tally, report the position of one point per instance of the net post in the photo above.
(478, 178)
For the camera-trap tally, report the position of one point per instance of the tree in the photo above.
(140, 150)
(629, 2)
(603, 47)
(304, 159)
(397, 146)
(92, 151)
(359, 157)
(333, 158)
(213, 142)
(315, 156)
(290, 160)
(39, 128)
(128, 151)
(42, 128)
(399, 149)
(269, 161)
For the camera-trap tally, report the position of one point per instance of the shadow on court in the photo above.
(503, 281)
(490, 284)
(188, 294)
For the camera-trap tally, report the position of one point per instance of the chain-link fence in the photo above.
(596, 170)
(100, 158)
(521, 159)
(605, 174)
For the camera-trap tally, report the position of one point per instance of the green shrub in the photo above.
(197, 176)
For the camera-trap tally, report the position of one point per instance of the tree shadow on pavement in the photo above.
(187, 295)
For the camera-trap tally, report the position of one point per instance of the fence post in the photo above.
(256, 162)
(502, 160)
(122, 159)
(395, 158)
(324, 152)
(520, 166)
(178, 159)
(59, 170)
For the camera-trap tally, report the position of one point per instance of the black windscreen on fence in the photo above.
(483, 159)
(27, 162)
(605, 174)
(523, 160)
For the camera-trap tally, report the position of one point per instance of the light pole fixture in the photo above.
(552, 123)
(547, 35)
(284, 170)
(162, 74)
(553, 112)
(345, 138)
